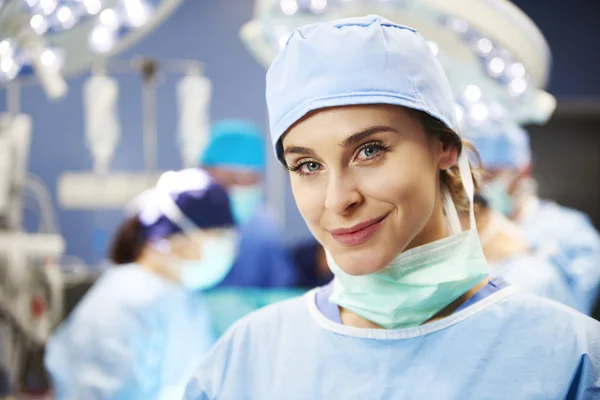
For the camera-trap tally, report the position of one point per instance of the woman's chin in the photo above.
(362, 262)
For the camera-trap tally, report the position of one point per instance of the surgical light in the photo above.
(39, 24)
(77, 32)
(92, 7)
(136, 12)
(473, 93)
(65, 16)
(47, 6)
(479, 112)
(9, 68)
(496, 66)
(102, 39)
(109, 19)
(517, 70)
(289, 7)
(484, 46)
(318, 5)
(518, 87)
(6, 48)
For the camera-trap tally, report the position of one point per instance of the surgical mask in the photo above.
(420, 282)
(496, 193)
(218, 256)
(218, 252)
(244, 201)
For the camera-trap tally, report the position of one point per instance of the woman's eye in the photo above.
(311, 166)
(369, 151)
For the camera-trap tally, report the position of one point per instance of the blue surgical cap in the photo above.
(202, 202)
(235, 144)
(502, 147)
(367, 60)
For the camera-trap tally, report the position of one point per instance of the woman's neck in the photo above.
(156, 264)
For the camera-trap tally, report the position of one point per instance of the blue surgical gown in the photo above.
(509, 345)
(262, 261)
(133, 336)
(534, 273)
(575, 244)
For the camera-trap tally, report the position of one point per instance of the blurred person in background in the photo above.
(310, 261)
(511, 257)
(235, 157)
(140, 330)
(564, 234)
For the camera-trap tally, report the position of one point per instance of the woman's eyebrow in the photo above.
(349, 141)
(358, 137)
(299, 150)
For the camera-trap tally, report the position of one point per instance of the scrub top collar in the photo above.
(324, 315)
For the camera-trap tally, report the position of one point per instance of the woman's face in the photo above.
(366, 181)
(189, 246)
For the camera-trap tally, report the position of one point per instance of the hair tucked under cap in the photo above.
(203, 203)
(367, 60)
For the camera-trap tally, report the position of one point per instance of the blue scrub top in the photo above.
(508, 345)
(573, 244)
(262, 260)
(133, 336)
(536, 274)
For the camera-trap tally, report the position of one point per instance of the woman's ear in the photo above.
(448, 155)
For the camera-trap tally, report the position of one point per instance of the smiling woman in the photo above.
(362, 115)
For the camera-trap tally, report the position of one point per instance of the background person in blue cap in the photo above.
(511, 257)
(235, 157)
(362, 115)
(144, 325)
(566, 235)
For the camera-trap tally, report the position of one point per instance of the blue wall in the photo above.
(207, 30)
(572, 30)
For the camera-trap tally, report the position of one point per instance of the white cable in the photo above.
(47, 215)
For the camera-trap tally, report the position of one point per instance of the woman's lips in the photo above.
(359, 233)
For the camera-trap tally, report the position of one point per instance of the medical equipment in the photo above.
(107, 189)
(30, 286)
(44, 40)
(193, 98)
(495, 57)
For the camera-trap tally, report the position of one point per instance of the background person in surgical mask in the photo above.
(511, 258)
(140, 330)
(564, 234)
(235, 157)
